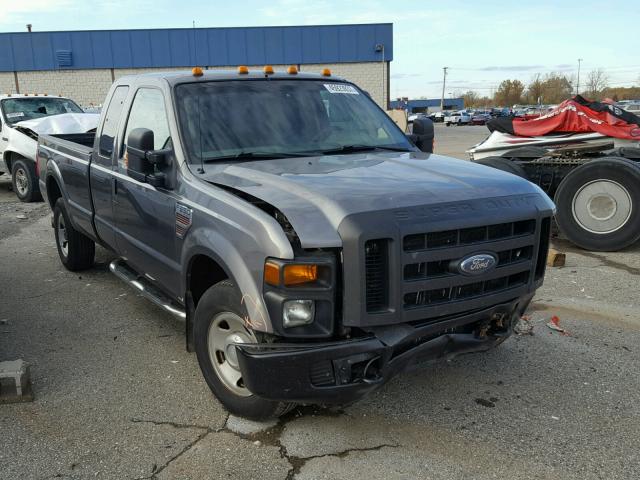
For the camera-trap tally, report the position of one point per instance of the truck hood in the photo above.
(317, 193)
(63, 123)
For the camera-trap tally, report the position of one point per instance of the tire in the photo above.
(503, 164)
(599, 204)
(25, 181)
(76, 250)
(216, 320)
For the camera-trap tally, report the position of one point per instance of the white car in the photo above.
(457, 118)
(22, 119)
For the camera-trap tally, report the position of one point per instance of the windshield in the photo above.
(274, 118)
(19, 109)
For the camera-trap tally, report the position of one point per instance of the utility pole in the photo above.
(444, 82)
(578, 82)
(29, 26)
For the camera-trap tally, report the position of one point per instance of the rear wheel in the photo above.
(503, 164)
(76, 250)
(219, 325)
(599, 204)
(25, 181)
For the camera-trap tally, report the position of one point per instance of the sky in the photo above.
(482, 41)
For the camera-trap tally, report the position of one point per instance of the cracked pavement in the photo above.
(118, 397)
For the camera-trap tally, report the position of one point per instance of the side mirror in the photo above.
(142, 158)
(423, 134)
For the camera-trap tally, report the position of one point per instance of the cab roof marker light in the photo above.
(292, 70)
(197, 71)
(268, 70)
(243, 70)
(326, 72)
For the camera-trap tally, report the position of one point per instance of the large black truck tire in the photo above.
(76, 251)
(25, 181)
(219, 323)
(599, 204)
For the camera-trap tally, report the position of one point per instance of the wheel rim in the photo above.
(602, 206)
(62, 237)
(226, 330)
(22, 182)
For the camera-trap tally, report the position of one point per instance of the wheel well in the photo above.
(9, 157)
(204, 272)
(53, 191)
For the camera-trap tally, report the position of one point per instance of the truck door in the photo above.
(103, 164)
(145, 215)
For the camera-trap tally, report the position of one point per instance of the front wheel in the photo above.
(25, 181)
(599, 204)
(219, 325)
(76, 250)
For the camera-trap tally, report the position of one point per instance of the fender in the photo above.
(245, 271)
(53, 172)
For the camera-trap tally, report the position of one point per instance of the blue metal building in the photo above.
(427, 105)
(198, 46)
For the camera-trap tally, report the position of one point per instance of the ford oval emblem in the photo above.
(477, 264)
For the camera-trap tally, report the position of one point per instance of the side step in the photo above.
(125, 273)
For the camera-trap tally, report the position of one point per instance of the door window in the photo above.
(148, 111)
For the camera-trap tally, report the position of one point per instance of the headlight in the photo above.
(298, 312)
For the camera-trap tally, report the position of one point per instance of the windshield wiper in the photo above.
(255, 156)
(362, 148)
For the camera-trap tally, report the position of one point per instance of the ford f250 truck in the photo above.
(311, 248)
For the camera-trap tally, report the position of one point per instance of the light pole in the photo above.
(578, 82)
(444, 82)
(379, 48)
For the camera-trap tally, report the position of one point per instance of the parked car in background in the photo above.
(457, 118)
(438, 117)
(632, 107)
(22, 119)
(414, 116)
(480, 118)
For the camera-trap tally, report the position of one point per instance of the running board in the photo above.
(125, 273)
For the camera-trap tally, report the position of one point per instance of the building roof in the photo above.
(182, 47)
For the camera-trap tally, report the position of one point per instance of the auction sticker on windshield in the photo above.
(15, 115)
(341, 88)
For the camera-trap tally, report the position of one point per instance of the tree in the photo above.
(597, 82)
(554, 88)
(535, 90)
(509, 93)
(470, 99)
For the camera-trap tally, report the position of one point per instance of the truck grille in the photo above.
(376, 272)
(429, 274)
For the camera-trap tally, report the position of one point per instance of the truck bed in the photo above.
(72, 155)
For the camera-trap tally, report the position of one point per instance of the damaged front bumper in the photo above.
(343, 371)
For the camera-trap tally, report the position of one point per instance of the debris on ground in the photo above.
(15, 382)
(554, 324)
(21, 217)
(556, 258)
(524, 326)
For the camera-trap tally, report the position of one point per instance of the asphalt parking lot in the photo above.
(117, 395)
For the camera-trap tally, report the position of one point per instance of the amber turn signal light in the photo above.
(300, 274)
(272, 274)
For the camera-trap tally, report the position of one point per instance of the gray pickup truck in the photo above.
(311, 248)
